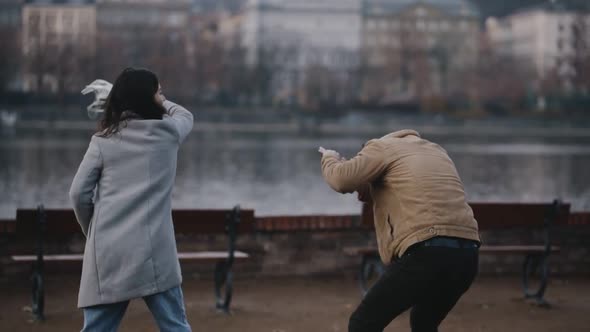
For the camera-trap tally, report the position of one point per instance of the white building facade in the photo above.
(299, 35)
(314, 27)
(545, 37)
(53, 33)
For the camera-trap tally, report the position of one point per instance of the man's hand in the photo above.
(326, 152)
(101, 90)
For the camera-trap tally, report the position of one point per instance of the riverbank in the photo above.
(469, 128)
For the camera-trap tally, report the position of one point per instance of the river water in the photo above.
(276, 170)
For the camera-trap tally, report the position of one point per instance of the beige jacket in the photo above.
(416, 191)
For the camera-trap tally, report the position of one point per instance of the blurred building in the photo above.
(144, 33)
(151, 16)
(58, 42)
(10, 52)
(322, 30)
(411, 48)
(297, 39)
(551, 37)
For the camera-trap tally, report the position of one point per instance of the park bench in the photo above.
(492, 216)
(35, 227)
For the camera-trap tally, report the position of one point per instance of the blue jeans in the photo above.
(166, 307)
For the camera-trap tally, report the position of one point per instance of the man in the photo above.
(422, 222)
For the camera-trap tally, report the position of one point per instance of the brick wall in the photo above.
(292, 251)
(314, 245)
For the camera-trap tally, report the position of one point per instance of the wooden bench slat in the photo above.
(211, 255)
(500, 248)
(31, 258)
(355, 251)
(181, 255)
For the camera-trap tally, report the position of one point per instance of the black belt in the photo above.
(444, 242)
(449, 242)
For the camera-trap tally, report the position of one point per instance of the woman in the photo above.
(122, 200)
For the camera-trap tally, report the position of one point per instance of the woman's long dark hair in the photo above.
(133, 92)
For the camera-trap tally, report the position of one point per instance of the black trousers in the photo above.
(429, 280)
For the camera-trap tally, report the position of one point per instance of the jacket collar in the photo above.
(402, 133)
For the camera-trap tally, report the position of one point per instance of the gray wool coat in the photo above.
(122, 199)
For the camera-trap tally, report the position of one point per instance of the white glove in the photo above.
(101, 90)
(326, 152)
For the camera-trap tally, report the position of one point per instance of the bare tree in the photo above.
(237, 76)
(162, 50)
(276, 71)
(10, 54)
(113, 54)
(207, 64)
(167, 57)
(497, 80)
(581, 56)
(330, 80)
(398, 70)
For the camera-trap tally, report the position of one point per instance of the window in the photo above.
(394, 24)
(371, 40)
(86, 27)
(50, 21)
(175, 20)
(377, 59)
(420, 12)
(464, 25)
(152, 17)
(430, 41)
(68, 22)
(68, 36)
(420, 25)
(433, 26)
(52, 39)
(34, 22)
(394, 41)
